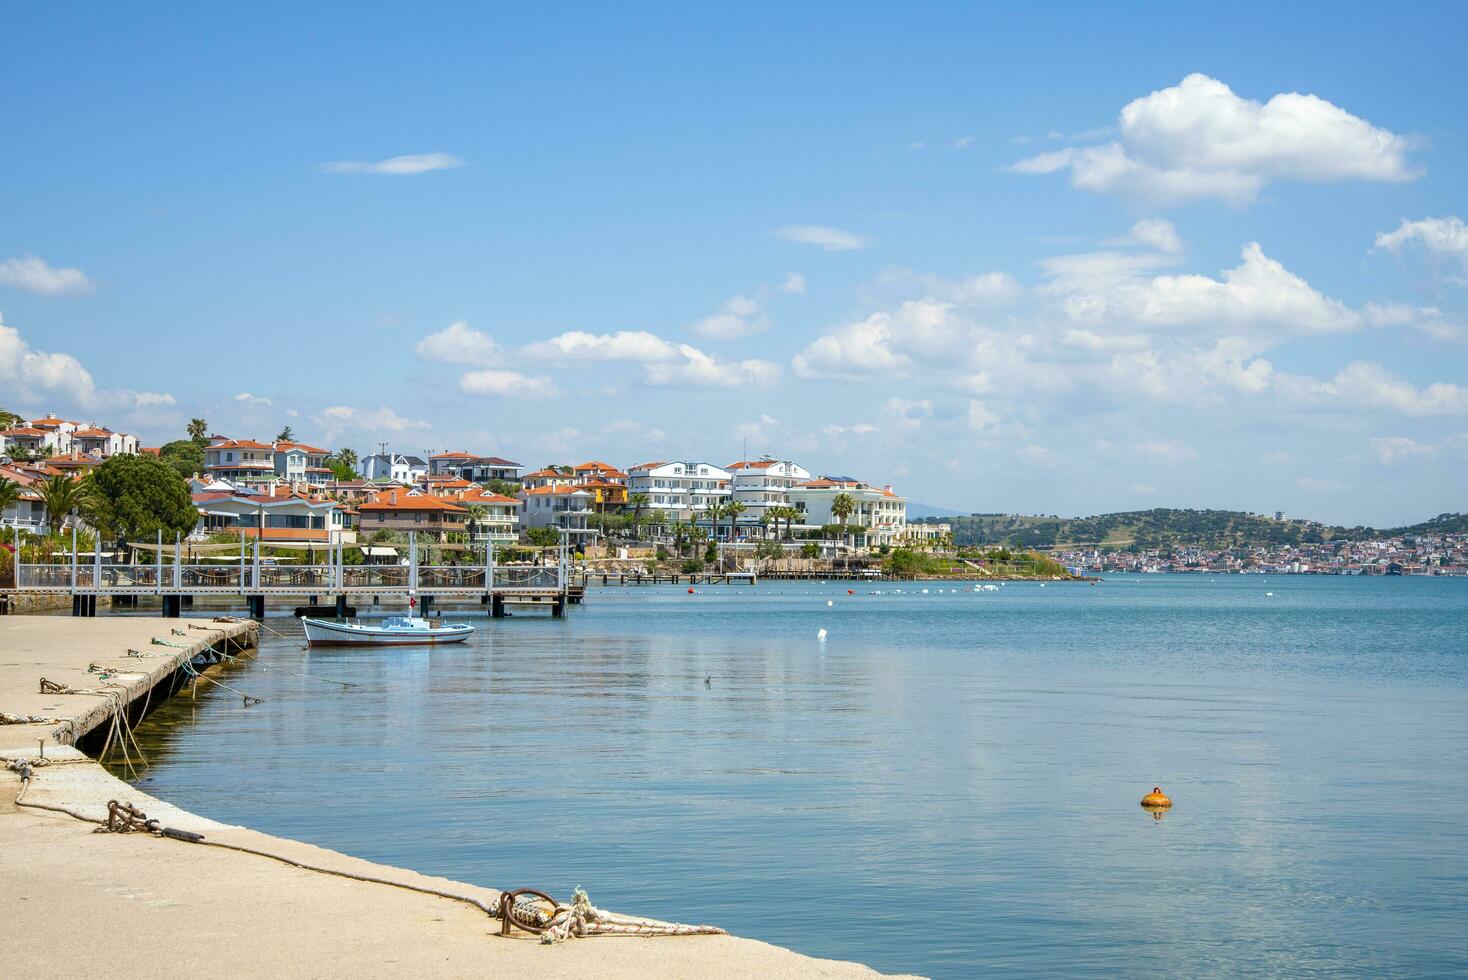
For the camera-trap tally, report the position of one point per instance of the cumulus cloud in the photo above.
(402, 166)
(794, 283)
(33, 275)
(830, 239)
(1199, 140)
(1393, 449)
(696, 369)
(624, 345)
(739, 317)
(1157, 233)
(60, 380)
(1366, 384)
(984, 289)
(337, 419)
(249, 399)
(459, 343)
(1442, 238)
(507, 384)
(1258, 292)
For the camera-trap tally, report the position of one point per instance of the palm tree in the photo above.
(715, 513)
(348, 456)
(732, 510)
(682, 535)
(842, 506)
(9, 493)
(61, 495)
(638, 501)
(198, 430)
(9, 420)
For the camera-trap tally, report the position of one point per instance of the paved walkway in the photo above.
(132, 904)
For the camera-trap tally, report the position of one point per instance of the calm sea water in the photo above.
(947, 785)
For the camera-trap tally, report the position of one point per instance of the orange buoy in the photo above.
(690, 590)
(851, 592)
(1157, 799)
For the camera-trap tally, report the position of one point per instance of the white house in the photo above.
(684, 491)
(240, 461)
(95, 440)
(492, 517)
(27, 513)
(479, 469)
(296, 462)
(276, 514)
(394, 468)
(879, 517)
(566, 507)
(760, 484)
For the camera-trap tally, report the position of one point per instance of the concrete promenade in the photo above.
(82, 903)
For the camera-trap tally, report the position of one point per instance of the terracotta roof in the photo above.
(303, 447)
(485, 497)
(458, 455)
(567, 489)
(51, 423)
(755, 464)
(92, 433)
(238, 444)
(648, 466)
(556, 474)
(400, 500)
(151, 450)
(23, 431)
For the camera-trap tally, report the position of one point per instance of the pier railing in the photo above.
(81, 574)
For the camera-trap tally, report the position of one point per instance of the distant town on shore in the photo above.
(289, 492)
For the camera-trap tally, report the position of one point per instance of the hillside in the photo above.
(1167, 527)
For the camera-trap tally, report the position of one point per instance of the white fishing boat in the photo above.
(391, 631)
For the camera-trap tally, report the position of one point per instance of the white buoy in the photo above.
(1267, 594)
(829, 602)
(821, 635)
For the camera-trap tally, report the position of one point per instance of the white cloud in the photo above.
(1277, 457)
(1392, 449)
(337, 419)
(1369, 385)
(1156, 233)
(33, 275)
(403, 166)
(1199, 140)
(739, 317)
(1258, 292)
(624, 345)
(697, 369)
(459, 343)
(852, 351)
(60, 381)
(984, 289)
(856, 429)
(250, 399)
(830, 239)
(980, 417)
(794, 283)
(507, 384)
(144, 399)
(1441, 237)
(963, 142)
(908, 414)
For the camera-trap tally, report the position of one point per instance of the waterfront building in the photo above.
(683, 490)
(29, 440)
(595, 471)
(240, 461)
(927, 534)
(491, 517)
(478, 469)
(553, 505)
(28, 512)
(760, 484)
(275, 514)
(404, 510)
(879, 516)
(394, 468)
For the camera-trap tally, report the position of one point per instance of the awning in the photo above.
(377, 551)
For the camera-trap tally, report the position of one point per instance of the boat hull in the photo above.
(324, 633)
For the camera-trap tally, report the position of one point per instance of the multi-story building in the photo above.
(760, 484)
(878, 517)
(296, 462)
(596, 471)
(479, 469)
(564, 506)
(407, 510)
(29, 440)
(240, 461)
(277, 514)
(28, 512)
(102, 442)
(394, 468)
(491, 517)
(683, 490)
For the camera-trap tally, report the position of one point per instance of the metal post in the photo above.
(73, 559)
(158, 565)
(255, 569)
(489, 563)
(177, 560)
(412, 562)
(97, 560)
(242, 559)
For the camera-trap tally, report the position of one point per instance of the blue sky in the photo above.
(1004, 257)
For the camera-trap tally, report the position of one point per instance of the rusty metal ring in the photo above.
(509, 917)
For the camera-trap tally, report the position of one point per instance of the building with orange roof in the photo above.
(54, 436)
(28, 512)
(879, 516)
(405, 509)
(760, 484)
(564, 506)
(277, 514)
(241, 461)
(597, 470)
(492, 517)
(470, 466)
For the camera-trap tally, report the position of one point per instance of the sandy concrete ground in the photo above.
(80, 903)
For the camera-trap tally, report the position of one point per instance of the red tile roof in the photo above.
(401, 500)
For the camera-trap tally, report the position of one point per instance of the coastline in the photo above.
(246, 914)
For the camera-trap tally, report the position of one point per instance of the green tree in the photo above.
(198, 431)
(732, 510)
(810, 550)
(286, 435)
(715, 513)
(9, 493)
(842, 507)
(9, 420)
(62, 496)
(341, 470)
(347, 456)
(637, 501)
(138, 496)
(185, 456)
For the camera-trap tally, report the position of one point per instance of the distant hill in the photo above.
(1167, 527)
(918, 511)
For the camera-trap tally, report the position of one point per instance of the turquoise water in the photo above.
(947, 785)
